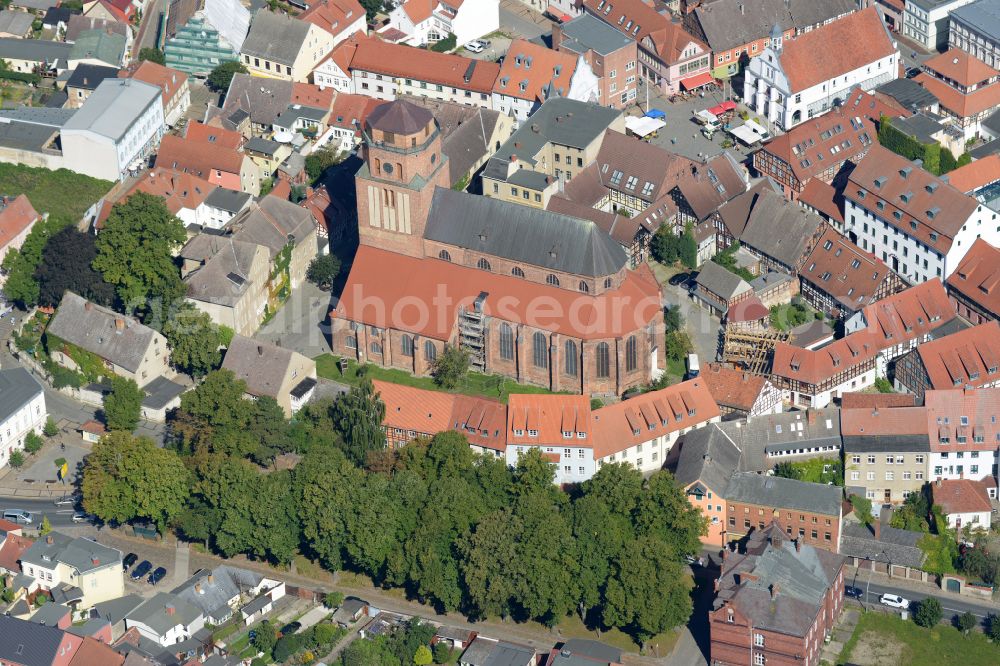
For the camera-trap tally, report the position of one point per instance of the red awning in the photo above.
(726, 106)
(696, 81)
(558, 14)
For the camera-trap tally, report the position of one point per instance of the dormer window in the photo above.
(532, 433)
(519, 433)
(567, 434)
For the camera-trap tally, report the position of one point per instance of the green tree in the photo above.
(372, 7)
(786, 470)
(46, 526)
(326, 485)
(51, 429)
(964, 159)
(928, 613)
(265, 638)
(135, 251)
(966, 622)
(677, 345)
(123, 404)
(993, 627)
(20, 285)
(688, 248)
(318, 161)
(647, 591)
(216, 417)
(423, 656)
(442, 653)
(67, 265)
(862, 508)
(16, 459)
(333, 599)
(323, 270)
(128, 477)
(153, 55)
(673, 318)
(220, 77)
(450, 367)
(357, 416)
(665, 246)
(948, 162)
(194, 340)
(32, 442)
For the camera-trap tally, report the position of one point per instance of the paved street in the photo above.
(950, 603)
(517, 19)
(702, 326)
(59, 516)
(146, 38)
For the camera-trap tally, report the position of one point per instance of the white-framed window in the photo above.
(890, 476)
(855, 476)
(871, 476)
(758, 640)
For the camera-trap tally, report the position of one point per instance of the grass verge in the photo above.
(882, 638)
(62, 192)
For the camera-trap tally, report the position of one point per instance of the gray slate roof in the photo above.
(588, 32)
(227, 200)
(709, 456)
(522, 234)
(26, 136)
(213, 597)
(260, 364)
(116, 610)
(277, 37)
(225, 276)
(263, 99)
(754, 488)
(559, 120)
(93, 329)
(895, 545)
(35, 50)
(909, 93)
(50, 614)
(28, 643)
(593, 650)
(724, 25)
(15, 23)
(920, 126)
(155, 615)
(717, 280)
(486, 652)
(780, 229)
(80, 553)
(114, 107)
(273, 222)
(801, 577)
(983, 16)
(771, 433)
(88, 77)
(17, 388)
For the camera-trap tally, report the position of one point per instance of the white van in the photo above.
(694, 368)
(17, 516)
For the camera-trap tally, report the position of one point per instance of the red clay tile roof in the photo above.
(15, 217)
(216, 136)
(197, 157)
(945, 410)
(343, 53)
(823, 198)
(166, 79)
(432, 282)
(732, 388)
(419, 10)
(873, 106)
(845, 271)
(7, 526)
(654, 414)
(95, 653)
(408, 62)
(870, 422)
(307, 94)
(748, 309)
(962, 105)
(967, 358)
(539, 70)
(977, 276)
(809, 60)
(961, 496)
(809, 148)
(877, 400)
(977, 174)
(350, 111)
(639, 20)
(548, 415)
(905, 316)
(13, 547)
(178, 189)
(936, 206)
(333, 15)
(961, 67)
(94, 427)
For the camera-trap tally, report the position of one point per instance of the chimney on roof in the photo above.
(798, 545)
(197, 588)
(94, 560)
(88, 305)
(119, 324)
(715, 584)
(260, 350)
(210, 579)
(49, 540)
(170, 609)
(878, 527)
(774, 590)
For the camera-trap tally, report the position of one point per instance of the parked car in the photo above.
(156, 576)
(290, 628)
(67, 500)
(80, 517)
(912, 72)
(18, 516)
(679, 279)
(129, 560)
(853, 592)
(141, 570)
(894, 601)
(476, 46)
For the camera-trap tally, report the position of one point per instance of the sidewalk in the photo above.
(842, 633)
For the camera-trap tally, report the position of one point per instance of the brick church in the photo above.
(536, 296)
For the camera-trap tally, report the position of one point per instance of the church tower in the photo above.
(403, 164)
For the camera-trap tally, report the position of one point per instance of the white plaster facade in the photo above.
(584, 86)
(28, 417)
(466, 20)
(328, 74)
(926, 21)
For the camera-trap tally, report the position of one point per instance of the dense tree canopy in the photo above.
(220, 77)
(123, 404)
(66, 265)
(135, 251)
(194, 340)
(128, 477)
(20, 285)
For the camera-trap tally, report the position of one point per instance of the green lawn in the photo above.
(63, 192)
(487, 386)
(884, 639)
(789, 315)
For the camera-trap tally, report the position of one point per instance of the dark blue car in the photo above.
(156, 576)
(141, 570)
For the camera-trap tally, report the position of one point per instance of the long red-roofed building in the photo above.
(966, 359)
(974, 287)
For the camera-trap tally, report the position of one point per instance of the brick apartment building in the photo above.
(540, 297)
(611, 55)
(776, 601)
